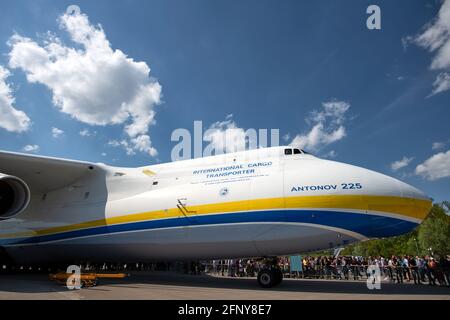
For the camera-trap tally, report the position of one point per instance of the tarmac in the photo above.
(174, 286)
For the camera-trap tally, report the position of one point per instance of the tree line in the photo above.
(432, 237)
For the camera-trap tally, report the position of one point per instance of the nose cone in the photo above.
(394, 206)
(417, 200)
(398, 207)
(387, 194)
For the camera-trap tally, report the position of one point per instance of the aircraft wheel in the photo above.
(268, 278)
(278, 276)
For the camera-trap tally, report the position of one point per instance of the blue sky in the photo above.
(271, 64)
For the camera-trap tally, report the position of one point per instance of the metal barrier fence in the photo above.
(397, 274)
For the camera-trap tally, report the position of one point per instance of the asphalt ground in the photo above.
(168, 285)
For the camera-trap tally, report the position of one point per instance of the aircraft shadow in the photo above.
(288, 285)
(41, 284)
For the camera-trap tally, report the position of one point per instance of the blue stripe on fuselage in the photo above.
(370, 226)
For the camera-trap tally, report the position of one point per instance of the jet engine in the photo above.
(14, 196)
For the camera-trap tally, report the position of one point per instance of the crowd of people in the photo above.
(398, 269)
(421, 270)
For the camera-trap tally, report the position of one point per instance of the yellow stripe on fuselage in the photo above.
(408, 207)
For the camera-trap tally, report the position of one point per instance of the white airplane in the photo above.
(257, 203)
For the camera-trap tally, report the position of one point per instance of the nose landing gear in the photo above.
(270, 276)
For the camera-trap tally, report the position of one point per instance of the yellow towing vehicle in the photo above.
(86, 279)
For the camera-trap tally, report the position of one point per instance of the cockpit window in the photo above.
(287, 151)
(297, 151)
(305, 152)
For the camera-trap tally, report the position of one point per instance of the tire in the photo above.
(278, 276)
(268, 278)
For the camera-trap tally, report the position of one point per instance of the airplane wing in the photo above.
(43, 174)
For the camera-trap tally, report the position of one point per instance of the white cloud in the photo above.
(86, 133)
(56, 133)
(141, 143)
(331, 154)
(435, 167)
(327, 126)
(11, 119)
(397, 165)
(103, 154)
(31, 148)
(436, 38)
(438, 145)
(114, 143)
(91, 82)
(442, 83)
(124, 144)
(225, 136)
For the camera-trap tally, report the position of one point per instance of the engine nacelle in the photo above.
(14, 196)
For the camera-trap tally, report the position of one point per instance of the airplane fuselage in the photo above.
(247, 204)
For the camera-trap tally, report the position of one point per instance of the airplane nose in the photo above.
(420, 203)
(386, 194)
(391, 207)
(397, 207)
